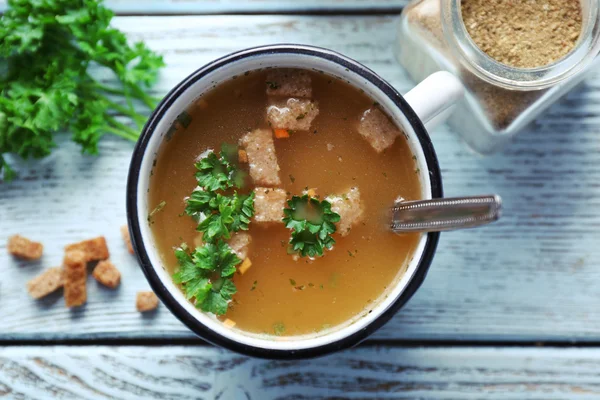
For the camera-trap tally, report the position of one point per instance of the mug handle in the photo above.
(435, 97)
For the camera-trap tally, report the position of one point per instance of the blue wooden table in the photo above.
(507, 312)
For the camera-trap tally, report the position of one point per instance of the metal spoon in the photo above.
(445, 214)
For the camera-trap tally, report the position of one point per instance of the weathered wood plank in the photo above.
(186, 7)
(532, 276)
(362, 373)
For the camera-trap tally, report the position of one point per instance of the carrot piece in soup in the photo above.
(281, 133)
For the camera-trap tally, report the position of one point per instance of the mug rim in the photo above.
(173, 304)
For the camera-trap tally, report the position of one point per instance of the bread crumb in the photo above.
(127, 238)
(146, 301)
(94, 249)
(107, 274)
(229, 323)
(523, 33)
(46, 283)
(75, 276)
(24, 248)
(245, 266)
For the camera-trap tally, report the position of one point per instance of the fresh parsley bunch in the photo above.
(206, 274)
(312, 222)
(46, 50)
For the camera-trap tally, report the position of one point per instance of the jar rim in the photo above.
(513, 78)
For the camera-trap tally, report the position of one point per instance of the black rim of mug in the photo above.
(168, 299)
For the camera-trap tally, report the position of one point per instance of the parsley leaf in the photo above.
(243, 210)
(213, 172)
(312, 222)
(199, 203)
(206, 274)
(46, 48)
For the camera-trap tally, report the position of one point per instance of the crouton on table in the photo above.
(22, 247)
(349, 207)
(239, 243)
(127, 238)
(260, 150)
(46, 283)
(146, 301)
(269, 204)
(93, 249)
(294, 114)
(377, 129)
(107, 274)
(289, 83)
(75, 276)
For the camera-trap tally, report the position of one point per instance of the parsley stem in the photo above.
(121, 134)
(122, 130)
(138, 93)
(108, 89)
(139, 119)
(143, 96)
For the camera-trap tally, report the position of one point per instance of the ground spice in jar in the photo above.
(523, 33)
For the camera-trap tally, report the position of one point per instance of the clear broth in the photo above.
(295, 297)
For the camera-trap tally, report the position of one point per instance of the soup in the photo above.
(284, 133)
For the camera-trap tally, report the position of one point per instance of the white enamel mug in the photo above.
(427, 104)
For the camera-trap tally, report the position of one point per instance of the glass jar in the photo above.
(499, 99)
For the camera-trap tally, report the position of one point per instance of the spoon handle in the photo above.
(445, 214)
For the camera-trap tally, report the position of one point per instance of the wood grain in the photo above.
(362, 373)
(532, 276)
(186, 7)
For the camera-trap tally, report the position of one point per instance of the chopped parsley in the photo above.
(292, 282)
(214, 172)
(253, 286)
(278, 328)
(292, 178)
(158, 208)
(206, 273)
(312, 222)
(218, 214)
(185, 119)
(300, 116)
(273, 85)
